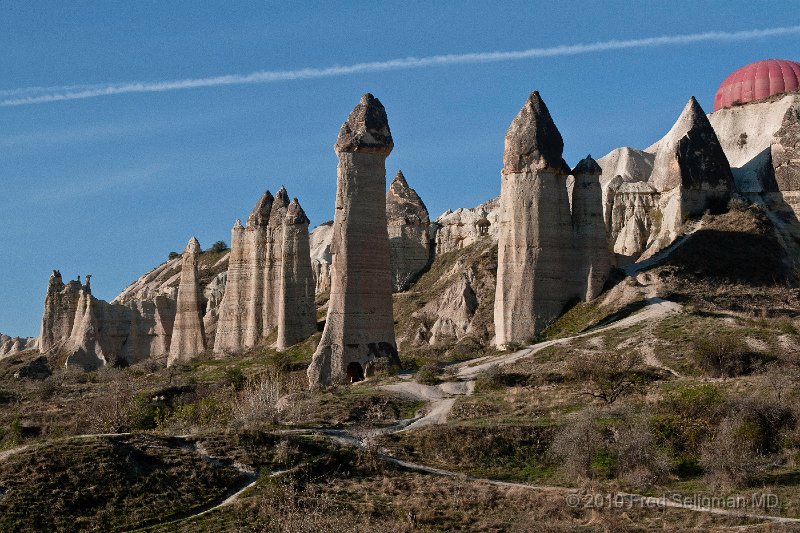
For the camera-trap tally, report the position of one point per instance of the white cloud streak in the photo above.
(39, 95)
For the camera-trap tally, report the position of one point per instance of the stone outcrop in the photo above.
(621, 166)
(11, 345)
(635, 214)
(690, 172)
(297, 314)
(535, 245)
(746, 133)
(452, 312)
(408, 225)
(91, 333)
(455, 230)
(188, 332)
(359, 326)
(235, 303)
(321, 256)
(785, 152)
(593, 259)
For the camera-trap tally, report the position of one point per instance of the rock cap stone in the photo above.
(259, 217)
(193, 247)
(366, 129)
(532, 139)
(587, 165)
(295, 214)
(279, 205)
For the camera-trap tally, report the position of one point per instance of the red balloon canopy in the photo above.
(756, 81)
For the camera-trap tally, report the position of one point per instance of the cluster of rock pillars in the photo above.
(559, 232)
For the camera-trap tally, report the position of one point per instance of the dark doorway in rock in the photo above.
(354, 372)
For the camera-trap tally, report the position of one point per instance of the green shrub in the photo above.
(723, 355)
(218, 247)
(608, 375)
(234, 378)
(428, 374)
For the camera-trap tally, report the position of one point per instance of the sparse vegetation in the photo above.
(608, 375)
(218, 247)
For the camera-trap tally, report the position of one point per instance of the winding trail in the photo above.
(442, 397)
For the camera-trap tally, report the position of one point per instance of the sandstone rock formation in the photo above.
(188, 333)
(634, 216)
(297, 317)
(235, 302)
(746, 134)
(785, 152)
(360, 325)
(593, 259)
(408, 226)
(11, 345)
(91, 333)
(690, 172)
(250, 310)
(458, 229)
(620, 166)
(321, 256)
(535, 244)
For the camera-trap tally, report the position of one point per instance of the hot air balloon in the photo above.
(757, 81)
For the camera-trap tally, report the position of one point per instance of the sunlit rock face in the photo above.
(297, 317)
(535, 249)
(359, 326)
(188, 333)
(408, 227)
(690, 172)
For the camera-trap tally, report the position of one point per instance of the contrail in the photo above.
(39, 95)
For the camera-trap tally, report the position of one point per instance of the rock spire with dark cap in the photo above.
(259, 216)
(360, 327)
(297, 317)
(532, 139)
(408, 222)
(592, 256)
(690, 171)
(546, 244)
(690, 156)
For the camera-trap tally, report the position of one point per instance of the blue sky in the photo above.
(110, 185)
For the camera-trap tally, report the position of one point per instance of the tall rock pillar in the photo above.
(229, 326)
(360, 325)
(188, 336)
(297, 317)
(535, 235)
(273, 245)
(593, 257)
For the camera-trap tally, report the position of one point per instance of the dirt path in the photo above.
(442, 397)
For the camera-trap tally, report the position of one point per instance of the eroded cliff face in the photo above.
(11, 345)
(321, 256)
(455, 230)
(89, 333)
